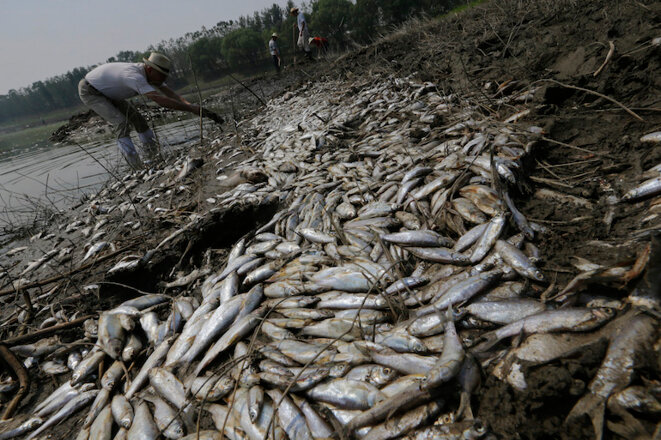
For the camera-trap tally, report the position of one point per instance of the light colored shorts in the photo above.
(121, 114)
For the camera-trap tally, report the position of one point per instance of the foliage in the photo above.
(243, 45)
(206, 55)
(331, 19)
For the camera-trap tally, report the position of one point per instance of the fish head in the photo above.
(225, 382)
(604, 313)
(339, 369)
(383, 375)
(175, 430)
(537, 275)
(34, 422)
(114, 348)
(419, 347)
(475, 431)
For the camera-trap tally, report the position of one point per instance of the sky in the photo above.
(44, 38)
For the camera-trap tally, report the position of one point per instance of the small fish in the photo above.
(95, 249)
(653, 138)
(190, 165)
(25, 427)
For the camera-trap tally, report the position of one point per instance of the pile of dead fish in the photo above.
(397, 269)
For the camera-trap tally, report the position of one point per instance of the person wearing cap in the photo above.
(106, 88)
(275, 51)
(303, 32)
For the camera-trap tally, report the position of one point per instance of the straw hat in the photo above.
(274, 35)
(310, 40)
(159, 62)
(293, 10)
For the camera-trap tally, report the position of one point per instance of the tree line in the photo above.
(235, 45)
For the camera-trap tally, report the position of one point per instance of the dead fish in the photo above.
(190, 165)
(25, 427)
(647, 189)
(653, 138)
(617, 369)
(188, 279)
(576, 319)
(466, 430)
(95, 249)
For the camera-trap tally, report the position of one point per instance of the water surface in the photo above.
(43, 176)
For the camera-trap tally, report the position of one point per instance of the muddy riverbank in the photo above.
(521, 80)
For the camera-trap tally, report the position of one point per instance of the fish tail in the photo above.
(593, 406)
(488, 340)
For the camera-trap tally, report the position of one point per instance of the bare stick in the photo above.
(247, 88)
(44, 332)
(574, 147)
(601, 95)
(611, 51)
(199, 96)
(23, 380)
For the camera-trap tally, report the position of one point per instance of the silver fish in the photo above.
(122, 411)
(72, 406)
(154, 360)
(26, 426)
(451, 359)
(143, 426)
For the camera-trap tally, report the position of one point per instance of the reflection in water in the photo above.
(61, 175)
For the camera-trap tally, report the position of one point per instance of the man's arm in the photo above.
(172, 101)
(175, 102)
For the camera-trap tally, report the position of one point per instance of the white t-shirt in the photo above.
(273, 47)
(120, 80)
(301, 21)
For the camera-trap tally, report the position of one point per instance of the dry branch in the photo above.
(611, 51)
(23, 380)
(601, 95)
(45, 332)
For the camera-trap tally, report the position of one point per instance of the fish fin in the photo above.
(593, 406)
(627, 431)
(464, 412)
(630, 428)
(518, 339)
(488, 339)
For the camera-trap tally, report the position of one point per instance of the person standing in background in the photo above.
(303, 32)
(320, 43)
(275, 51)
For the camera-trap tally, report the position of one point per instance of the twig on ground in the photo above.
(573, 147)
(23, 380)
(247, 88)
(47, 331)
(549, 182)
(611, 51)
(601, 95)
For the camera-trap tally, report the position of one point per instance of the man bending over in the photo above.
(106, 88)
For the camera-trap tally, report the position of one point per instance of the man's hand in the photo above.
(215, 117)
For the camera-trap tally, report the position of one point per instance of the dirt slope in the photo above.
(593, 150)
(504, 47)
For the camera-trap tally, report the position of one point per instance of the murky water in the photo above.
(57, 176)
